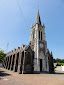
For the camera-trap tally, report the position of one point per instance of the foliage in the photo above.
(2, 56)
(57, 60)
(59, 64)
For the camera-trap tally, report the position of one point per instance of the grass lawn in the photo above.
(61, 64)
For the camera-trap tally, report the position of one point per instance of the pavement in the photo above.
(8, 77)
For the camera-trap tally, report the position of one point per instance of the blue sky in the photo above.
(15, 26)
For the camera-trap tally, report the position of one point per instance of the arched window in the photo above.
(41, 35)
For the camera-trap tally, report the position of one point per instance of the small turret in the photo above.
(43, 25)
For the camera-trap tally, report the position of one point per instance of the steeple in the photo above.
(38, 20)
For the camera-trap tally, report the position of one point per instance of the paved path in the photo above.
(13, 78)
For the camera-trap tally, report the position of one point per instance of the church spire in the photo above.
(38, 20)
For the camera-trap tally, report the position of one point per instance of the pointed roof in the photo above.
(38, 20)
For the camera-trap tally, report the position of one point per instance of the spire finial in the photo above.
(51, 53)
(38, 6)
(31, 25)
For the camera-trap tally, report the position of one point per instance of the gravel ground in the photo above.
(13, 78)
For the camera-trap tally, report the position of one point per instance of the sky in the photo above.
(15, 24)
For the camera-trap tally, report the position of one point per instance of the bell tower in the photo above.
(39, 45)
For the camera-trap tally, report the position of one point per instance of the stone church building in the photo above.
(32, 58)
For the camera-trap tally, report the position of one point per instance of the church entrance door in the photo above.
(40, 64)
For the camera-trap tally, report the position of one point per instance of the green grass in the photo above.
(61, 64)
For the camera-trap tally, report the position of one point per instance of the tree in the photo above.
(2, 55)
(57, 60)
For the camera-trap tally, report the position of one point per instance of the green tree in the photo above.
(57, 60)
(2, 55)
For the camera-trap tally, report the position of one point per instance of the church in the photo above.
(34, 57)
